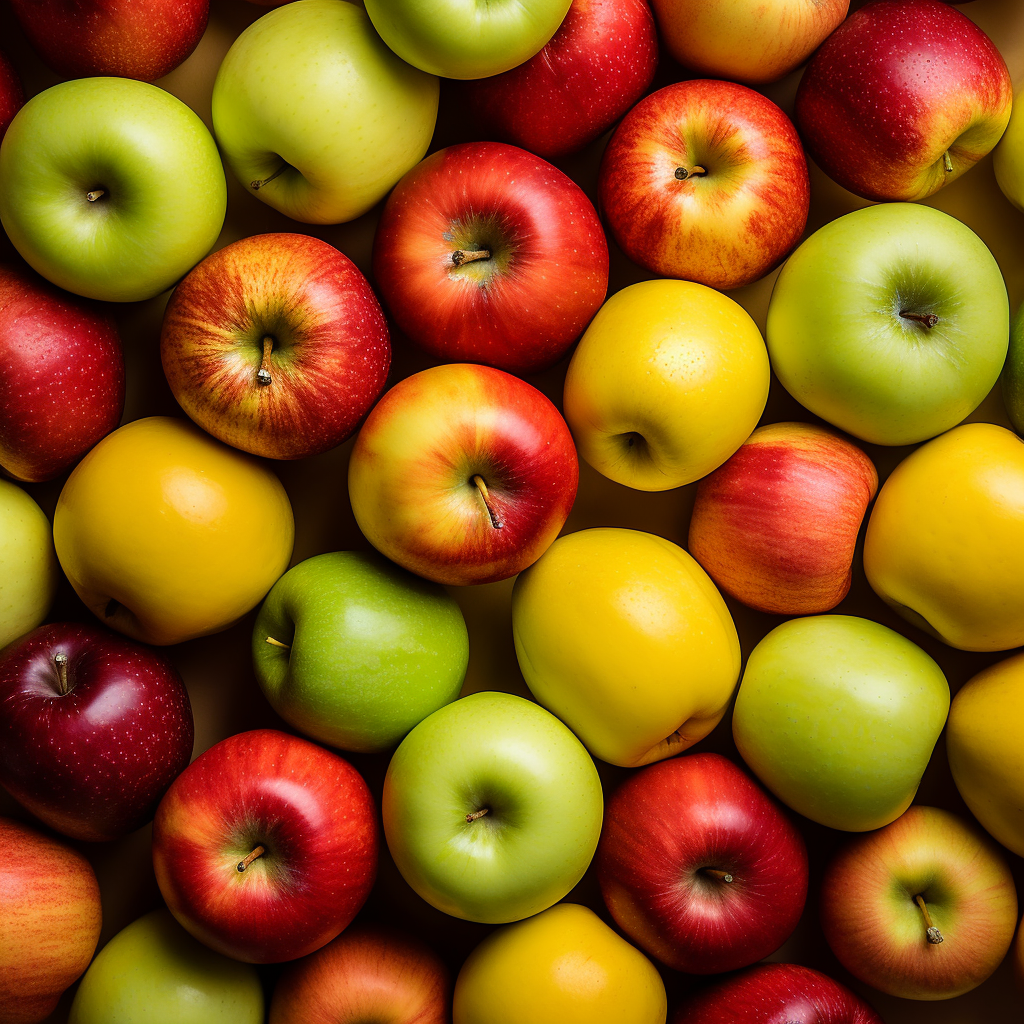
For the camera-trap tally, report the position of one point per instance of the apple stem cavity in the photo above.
(932, 933)
(250, 857)
(722, 876)
(947, 162)
(260, 182)
(461, 256)
(96, 193)
(694, 172)
(61, 663)
(277, 643)
(481, 486)
(477, 814)
(928, 319)
(263, 377)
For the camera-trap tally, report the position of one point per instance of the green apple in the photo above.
(838, 717)
(1008, 156)
(28, 564)
(316, 116)
(466, 38)
(1013, 372)
(370, 650)
(890, 323)
(492, 808)
(111, 188)
(154, 971)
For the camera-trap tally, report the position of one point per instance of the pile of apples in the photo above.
(887, 328)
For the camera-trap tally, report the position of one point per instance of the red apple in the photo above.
(144, 39)
(463, 474)
(595, 67)
(489, 254)
(277, 345)
(776, 526)
(11, 94)
(49, 921)
(706, 181)
(61, 376)
(924, 908)
(93, 729)
(365, 974)
(699, 866)
(903, 98)
(265, 847)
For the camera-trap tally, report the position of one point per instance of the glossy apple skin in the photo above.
(50, 909)
(366, 973)
(93, 762)
(330, 348)
(12, 96)
(776, 526)
(896, 86)
(522, 308)
(143, 39)
(666, 824)
(725, 228)
(593, 69)
(411, 474)
(310, 810)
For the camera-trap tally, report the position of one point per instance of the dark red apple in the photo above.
(61, 376)
(487, 254)
(699, 866)
(12, 96)
(595, 67)
(265, 847)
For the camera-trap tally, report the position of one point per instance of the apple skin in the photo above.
(1012, 379)
(412, 470)
(50, 908)
(593, 69)
(12, 96)
(330, 348)
(523, 306)
(314, 816)
(726, 227)
(879, 933)
(898, 86)
(366, 973)
(1007, 157)
(143, 39)
(776, 526)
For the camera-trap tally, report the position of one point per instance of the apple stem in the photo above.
(260, 182)
(277, 643)
(263, 373)
(695, 172)
(481, 486)
(250, 857)
(61, 661)
(928, 319)
(932, 933)
(96, 193)
(477, 814)
(948, 163)
(461, 256)
(722, 876)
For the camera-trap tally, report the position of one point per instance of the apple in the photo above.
(838, 717)
(1007, 157)
(776, 526)
(903, 98)
(705, 180)
(593, 69)
(890, 323)
(276, 345)
(565, 964)
(154, 971)
(265, 847)
(492, 808)
(144, 39)
(353, 651)
(1013, 373)
(12, 96)
(166, 534)
(699, 867)
(622, 635)
(667, 382)
(366, 973)
(110, 188)
(93, 729)
(50, 909)
(466, 38)
(462, 474)
(486, 253)
(316, 116)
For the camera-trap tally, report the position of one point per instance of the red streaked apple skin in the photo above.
(776, 526)
(412, 468)
(669, 822)
(878, 932)
(12, 96)
(522, 308)
(725, 228)
(595, 67)
(310, 810)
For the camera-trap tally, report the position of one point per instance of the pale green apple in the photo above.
(316, 116)
(1008, 156)
(492, 808)
(838, 717)
(111, 188)
(28, 565)
(1013, 372)
(153, 971)
(891, 323)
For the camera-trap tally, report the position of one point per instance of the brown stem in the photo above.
(947, 162)
(61, 662)
(263, 373)
(481, 486)
(277, 643)
(722, 876)
(260, 182)
(461, 256)
(928, 319)
(478, 814)
(96, 193)
(932, 933)
(250, 857)
(694, 172)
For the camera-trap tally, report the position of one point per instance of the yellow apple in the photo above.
(668, 381)
(167, 534)
(564, 966)
(623, 636)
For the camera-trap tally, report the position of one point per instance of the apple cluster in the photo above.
(488, 397)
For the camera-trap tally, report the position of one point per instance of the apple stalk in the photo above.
(461, 256)
(250, 857)
(61, 663)
(933, 934)
(694, 172)
(477, 814)
(481, 486)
